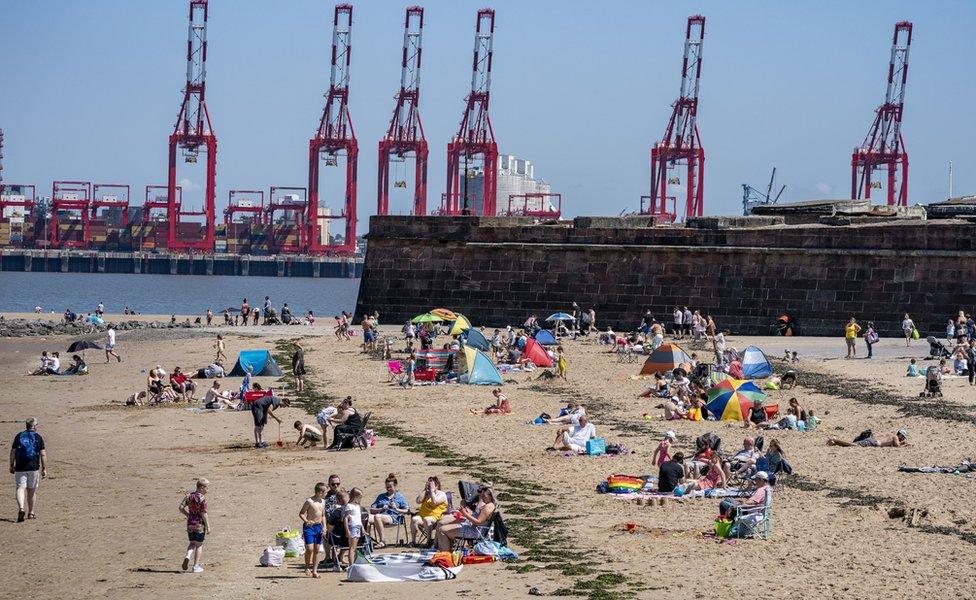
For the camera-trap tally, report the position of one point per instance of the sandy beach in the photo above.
(108, 524)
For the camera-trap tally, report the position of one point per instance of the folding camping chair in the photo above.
(358, 437)
(394, 369)
(425, 540)
(339, 543)
(754, 521)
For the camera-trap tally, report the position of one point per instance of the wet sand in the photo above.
(108, 524)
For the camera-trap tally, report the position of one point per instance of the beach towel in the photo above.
(402, 566)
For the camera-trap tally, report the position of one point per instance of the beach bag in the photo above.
(370, 436)
(291, 542)
(596, 446)
(272, 557)
(723, 528)
(915, 334)
(872, 337)
(867, 433)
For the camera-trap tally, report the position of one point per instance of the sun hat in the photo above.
(761, 475)
(903, 433)
(669, 434)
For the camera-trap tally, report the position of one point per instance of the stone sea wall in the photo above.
(744, 272)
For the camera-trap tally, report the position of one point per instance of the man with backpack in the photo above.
(28, 463)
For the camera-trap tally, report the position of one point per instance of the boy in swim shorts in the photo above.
(308, 435)
(312, 515)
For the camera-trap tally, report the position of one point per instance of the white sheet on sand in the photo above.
(403, 566)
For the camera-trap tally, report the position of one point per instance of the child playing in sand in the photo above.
(308, 435)
(194, 506)
(912, 369)
(352, 521)
(312, 515)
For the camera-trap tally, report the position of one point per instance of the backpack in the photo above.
(500, 530)
(867, 433)
(26, 446)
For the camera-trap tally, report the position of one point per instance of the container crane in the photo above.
(883, 147)
(193, 134)
(681, 143)
(475, 139)
(406, 133)
(335, 136)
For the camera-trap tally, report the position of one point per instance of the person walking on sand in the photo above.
(219, 345)
(561, 363)
(110, 345)
(298, 367)
(908, 328)
(209, 317)
(851, 331)
(870, 338)
(194, 507)
(28, 464)
(312, 515)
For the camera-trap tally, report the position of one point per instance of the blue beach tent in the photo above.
(261, 360)
(545, 337)
(479, 368)
(755, 365)
(476, 339)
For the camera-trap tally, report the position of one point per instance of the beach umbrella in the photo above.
(426, 318)
(665, 358)
(444, 313)
(560, 316)
(461, 323)
(731, 399)
(82, 345)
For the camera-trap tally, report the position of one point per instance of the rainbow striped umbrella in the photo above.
(731, 399)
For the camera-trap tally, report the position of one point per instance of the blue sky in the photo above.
(583, 89)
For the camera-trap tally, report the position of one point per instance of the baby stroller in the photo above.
(937, 349)
(933, 383)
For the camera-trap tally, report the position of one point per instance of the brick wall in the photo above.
(500, 270)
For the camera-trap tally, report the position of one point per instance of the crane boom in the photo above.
(883, 146)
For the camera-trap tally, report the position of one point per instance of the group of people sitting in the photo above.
(338, 519)
(50, 364)
(707, 468)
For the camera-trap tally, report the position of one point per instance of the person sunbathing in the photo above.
(215, 398)
(896, 441)
(574, 437)
(467, 523)
(567, 416)
(500, 407)
(77, 366)
(715, 477)
(674, 409)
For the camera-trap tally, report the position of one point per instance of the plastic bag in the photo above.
(291, 541)
(915, 334)
(272, 557)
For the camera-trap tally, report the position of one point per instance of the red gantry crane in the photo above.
(475, 139)
(883, 146)
(335, 136)
(193, 134)
(681, 144)
(406, 133)
(70, 196)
